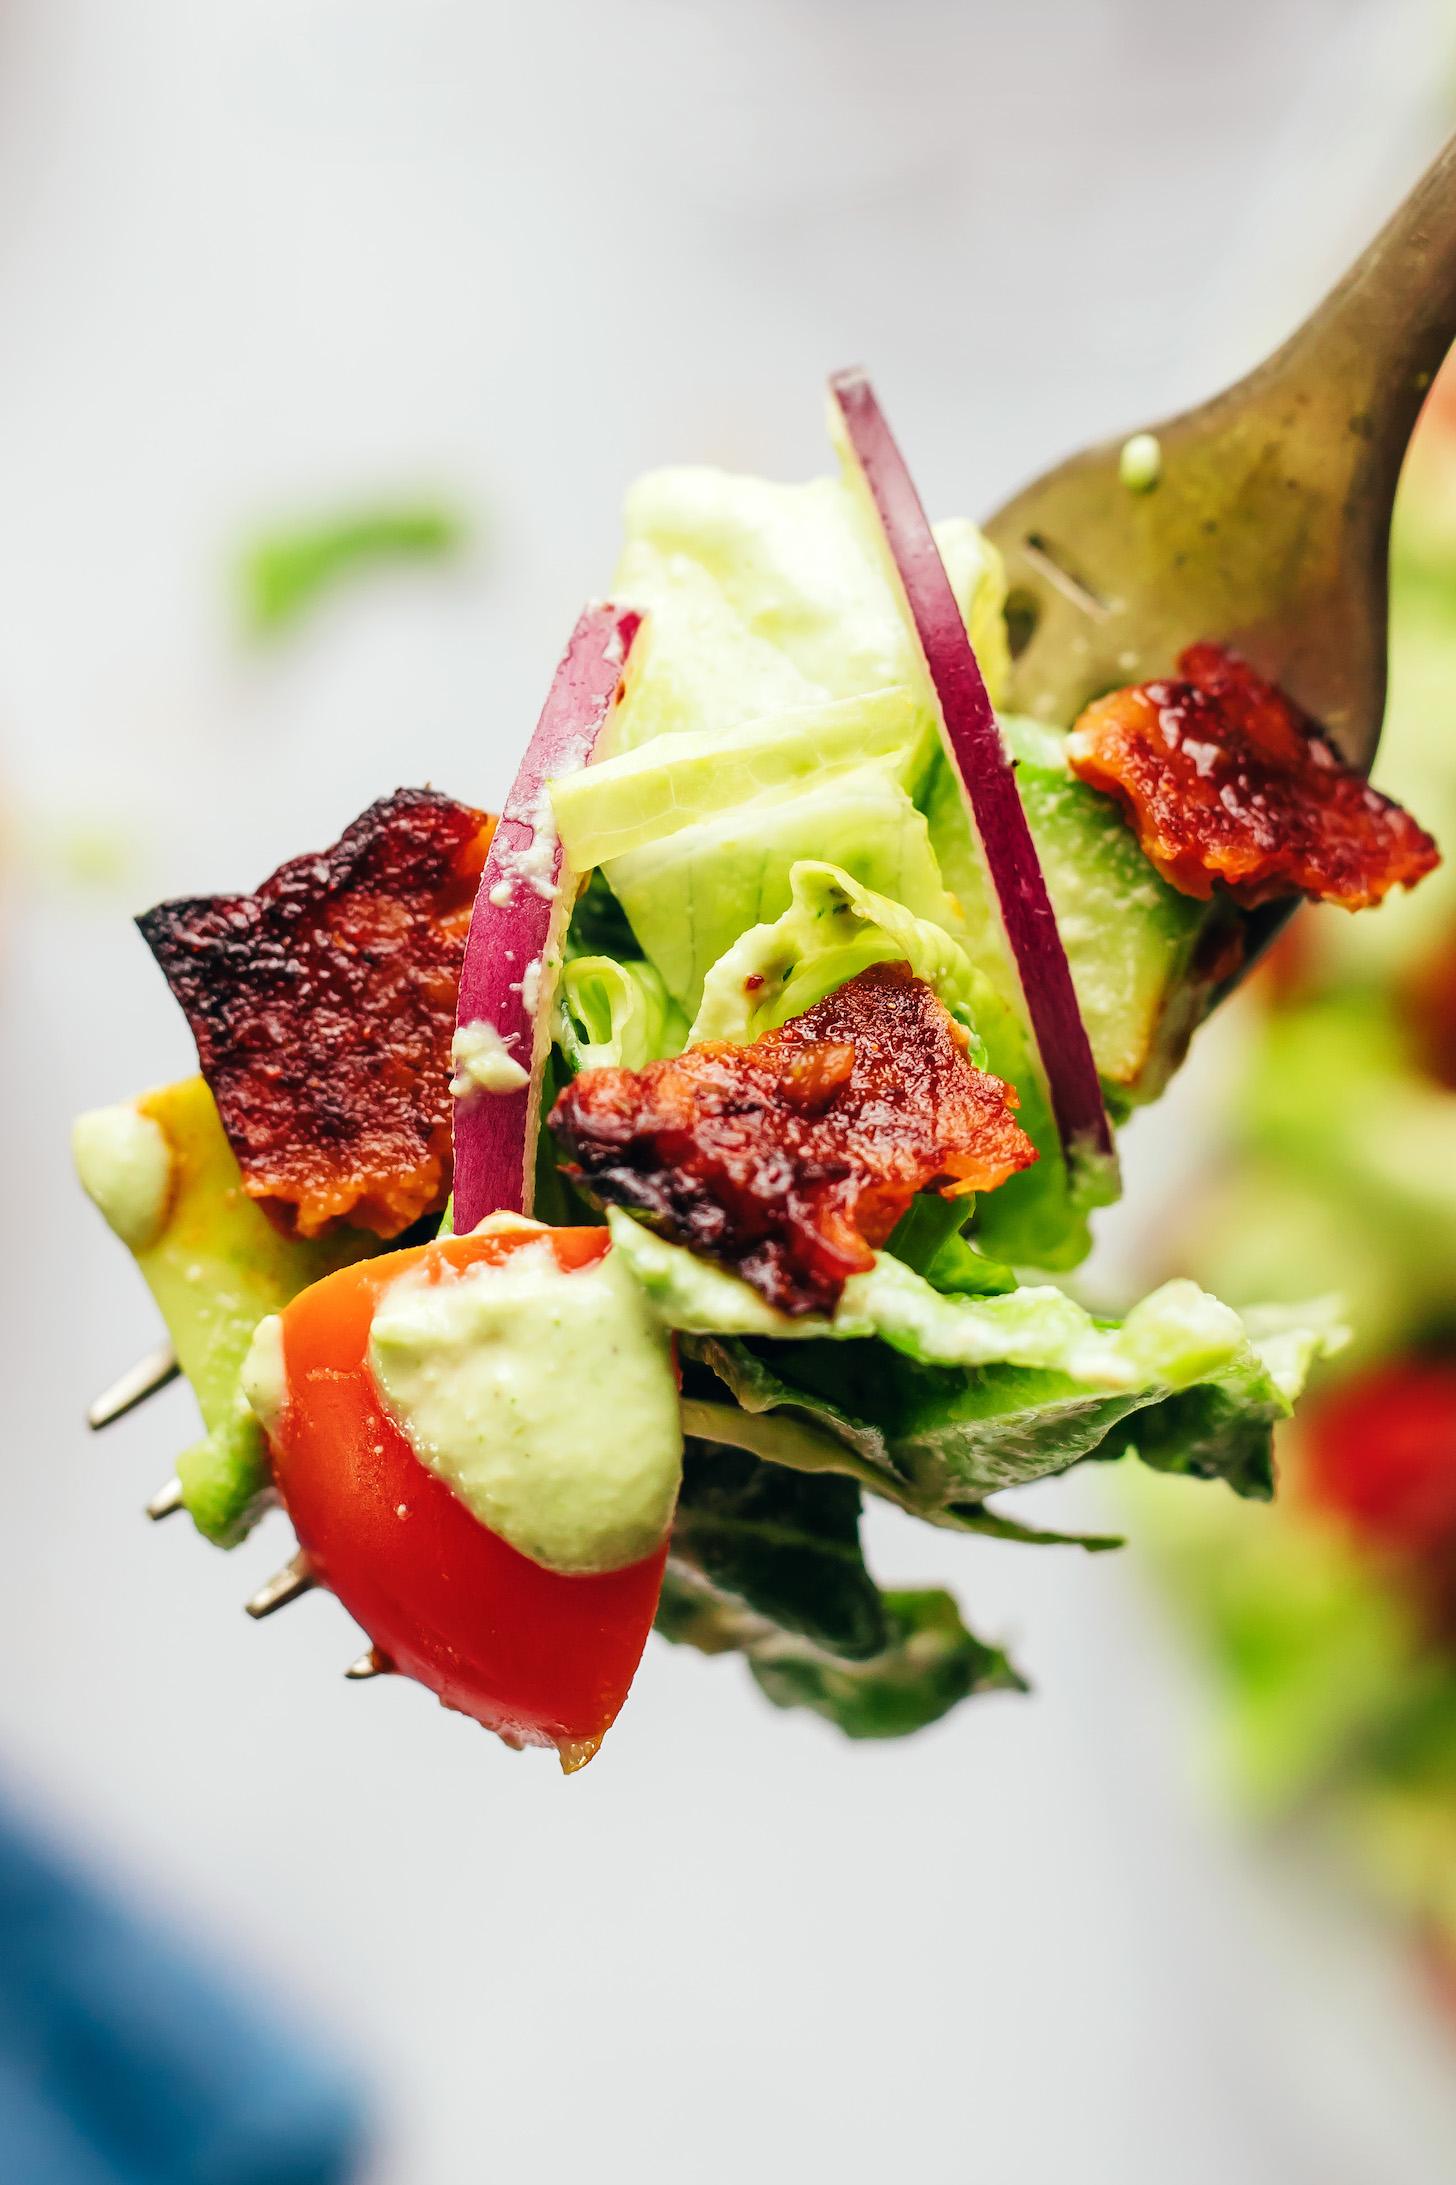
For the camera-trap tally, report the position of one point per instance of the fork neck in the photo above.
(1369, 353)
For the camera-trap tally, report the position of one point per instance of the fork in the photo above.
(1260, 520)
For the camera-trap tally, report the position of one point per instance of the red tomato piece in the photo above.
(1380, 1450)
(538, 1657)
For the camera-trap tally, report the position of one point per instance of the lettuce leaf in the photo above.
(695, 666)
(734, 568)
(781, 1545)
(832, 929)
(1221, 1428)
(942, 1400)
(768, 1564)
(931, 1664)
(1175, 1336)
(767, 604)
(614, 1015)
(692, 893)
(641, 794)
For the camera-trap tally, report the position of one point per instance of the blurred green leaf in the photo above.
(285, 573)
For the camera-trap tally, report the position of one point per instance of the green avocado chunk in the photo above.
(1132, 941)
(216, 1267)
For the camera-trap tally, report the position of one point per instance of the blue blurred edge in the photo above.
(123, 2061)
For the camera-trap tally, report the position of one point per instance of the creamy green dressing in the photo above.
(125, 1165)
(545, 1400)
(483, 1062)
(264, 1375)
(1140, 464)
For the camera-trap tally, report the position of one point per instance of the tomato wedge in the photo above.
(540, 1658)
(1381, 1453)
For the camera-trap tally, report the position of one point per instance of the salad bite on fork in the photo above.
(580, 1211)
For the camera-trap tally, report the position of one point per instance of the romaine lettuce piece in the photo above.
(768, 1564)
(801, 569)
(624, 803)
(781, 1545)
(690, 895)
(1177, 1335)
(1220, 1428)
(929, 1238)
(931, 1664)
(947, 1399)
(831, 929)
(614, 1015)
(694, 665)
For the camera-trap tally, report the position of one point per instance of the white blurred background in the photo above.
(261, 256)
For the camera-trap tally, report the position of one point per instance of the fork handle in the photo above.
(1379, 338)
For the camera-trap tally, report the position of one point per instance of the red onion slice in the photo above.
(513, 952)
(973, 739)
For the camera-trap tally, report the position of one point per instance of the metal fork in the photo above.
(1261, 519)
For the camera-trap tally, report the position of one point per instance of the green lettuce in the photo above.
(614, 1015)
(776, 713)
(941, 1400)
(691, 893)
(1131, 940)
(783, 1546)
(762, 594)
(623, 803)
(767, 1564)
(931, 1664)
(832, 928)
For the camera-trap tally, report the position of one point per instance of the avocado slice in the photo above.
(163, 1174)
(1136, 947)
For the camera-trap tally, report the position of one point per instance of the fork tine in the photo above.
(370, 1664)
(166, 1500)
(140, 1381)
(289, 1584)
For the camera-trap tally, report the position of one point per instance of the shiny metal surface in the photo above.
(1268, 526)
(149, 1375)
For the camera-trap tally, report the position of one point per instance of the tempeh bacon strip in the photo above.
(1226, 781)
(790, 1159)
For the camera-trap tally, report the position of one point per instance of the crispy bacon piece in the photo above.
(790, 1158)
(1225, 779)
(323, 1009)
